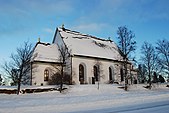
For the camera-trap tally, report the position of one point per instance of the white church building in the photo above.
(91, 59)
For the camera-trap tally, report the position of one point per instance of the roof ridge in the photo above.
(43, 43)
(79, 33)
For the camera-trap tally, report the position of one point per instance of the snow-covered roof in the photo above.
(87, 45)
(45, 52)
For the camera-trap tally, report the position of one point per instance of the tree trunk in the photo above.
(149, 75)
(149, 81)
(19, 80)
(18, 87)
(61, 82)
(125, 74)
(125, 77)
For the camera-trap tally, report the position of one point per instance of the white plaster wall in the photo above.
(38, 73)
(58, 40)
(90, 62)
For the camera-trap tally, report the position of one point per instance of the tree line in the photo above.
(154, 62)
(154, 59)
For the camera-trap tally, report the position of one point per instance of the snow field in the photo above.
(80, 98)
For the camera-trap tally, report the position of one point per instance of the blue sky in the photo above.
(23, 20)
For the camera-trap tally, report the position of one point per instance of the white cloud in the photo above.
(49, 7)
(91, 27)
(130, 10)
(48, 30)
(27, 7)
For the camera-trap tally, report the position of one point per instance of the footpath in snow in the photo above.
(79, 98)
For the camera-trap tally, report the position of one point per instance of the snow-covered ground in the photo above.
(87, 98)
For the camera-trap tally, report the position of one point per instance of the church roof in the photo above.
(45, 52)
(90, 46)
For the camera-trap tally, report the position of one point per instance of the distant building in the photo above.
(91, 59)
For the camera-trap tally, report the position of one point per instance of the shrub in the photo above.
(55, 79)
(161, 79)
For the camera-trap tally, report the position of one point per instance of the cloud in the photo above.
(49, 6)
(91, 27)
(21, 15)
(48, 30)
(29, 7)
(129, 11)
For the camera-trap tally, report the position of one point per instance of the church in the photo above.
(90, 60)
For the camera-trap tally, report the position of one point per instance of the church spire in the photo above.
(63, 28)
(39, 39)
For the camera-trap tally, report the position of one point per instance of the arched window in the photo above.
(46, 75)
(96, 73)
(121, 73)
(110, 74)
(81, 74)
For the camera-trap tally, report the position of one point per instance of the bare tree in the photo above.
(63, 71)
(126, 45)
(149, 57)
(11, 73)
(163, 55)
(98, 72)
(142, 73)
(18, 69)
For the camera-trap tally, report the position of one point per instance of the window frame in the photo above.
(46, 75)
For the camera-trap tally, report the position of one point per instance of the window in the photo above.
(96, 74)
(110, 74)
(81, 74)
(46, 75)
(121, 73)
